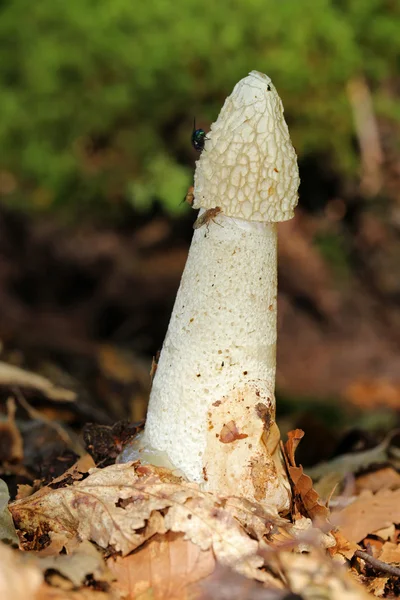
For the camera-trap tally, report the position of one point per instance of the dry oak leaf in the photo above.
(306, 499)
(315, 576)
(385, 478)
(225, 584)
(118, 507)
(390, 553)
(166, 568)
(19, 578)
(343, 545)
(368, 513)
(107, 507)
(210, 526)
(254, 518)
(46, 592)
(86, 561)
(377, 585)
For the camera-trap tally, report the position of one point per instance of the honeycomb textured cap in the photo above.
(248, 166)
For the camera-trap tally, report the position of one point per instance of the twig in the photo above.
(377, 564)
(35, 414)
(367, 131)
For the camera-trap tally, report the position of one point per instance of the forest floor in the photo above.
(84, 309)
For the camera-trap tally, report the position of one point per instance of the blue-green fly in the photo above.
(198, 138)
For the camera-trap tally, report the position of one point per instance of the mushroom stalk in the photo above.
(212, 404)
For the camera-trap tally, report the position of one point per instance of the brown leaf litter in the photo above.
(306, 500)
(165, 538)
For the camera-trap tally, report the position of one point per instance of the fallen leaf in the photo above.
(225, 584)
(343, 545)
(377, 585)
(210, 526)
(306, 536)
(373, 393)
(11, 376)
(118, 507)
(254, 518)
(384, 479)
(368, 513)
(86, 561)
(7, 529)
(75, 473)
(20, 579)
(24, 490)
(164, 569)
(92, 510)
(306, 499)
(373, 545)
(390, 553)
(317, 576)
(387, 534)
(46, 592)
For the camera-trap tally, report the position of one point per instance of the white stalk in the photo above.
(212, 404)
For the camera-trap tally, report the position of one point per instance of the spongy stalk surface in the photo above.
(221, 336)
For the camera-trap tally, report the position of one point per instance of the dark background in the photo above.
(97, 99)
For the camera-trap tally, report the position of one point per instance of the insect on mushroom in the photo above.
(206, 217)
(198, 138)
(189, 198)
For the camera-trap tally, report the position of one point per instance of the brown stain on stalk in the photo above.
(230, 433)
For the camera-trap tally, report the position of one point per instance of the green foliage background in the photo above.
(97, 97)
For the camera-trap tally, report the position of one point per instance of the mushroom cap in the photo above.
(248, 166)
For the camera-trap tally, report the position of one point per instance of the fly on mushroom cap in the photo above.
(250, 167)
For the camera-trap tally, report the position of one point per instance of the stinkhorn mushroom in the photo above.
(212, 403)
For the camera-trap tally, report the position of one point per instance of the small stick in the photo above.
(378, 564)
(37, 415)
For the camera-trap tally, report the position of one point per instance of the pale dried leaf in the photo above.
(388, 534)
(11, 376)
(94, 509)
(373, 546)
(368, 513)
(254, 517)
(376, 586)
(19, 579)
(24, 490)
(317, 576)
(46, 592)
(165, 568)
(7, 529)
(306, 536)
(85, 561)
(225, 584)
(210, 526)
(384, 479)
(119, 506)
(390, 553)
(343, 545)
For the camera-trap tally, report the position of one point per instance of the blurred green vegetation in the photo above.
(97, 97)
(332, 248)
